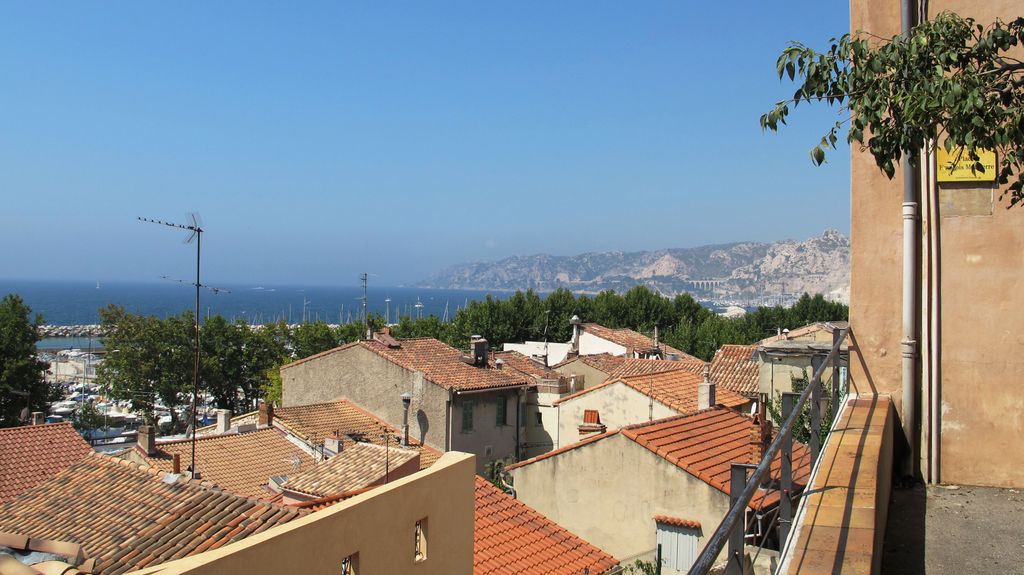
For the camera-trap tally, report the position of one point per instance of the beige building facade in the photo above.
(419, 524)
(966, 350)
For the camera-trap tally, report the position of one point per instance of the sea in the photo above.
(78, 303)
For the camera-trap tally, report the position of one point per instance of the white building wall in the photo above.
(557, 352)
(618, 405)
(590, 344)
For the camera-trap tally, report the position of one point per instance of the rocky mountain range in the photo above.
(741, 272)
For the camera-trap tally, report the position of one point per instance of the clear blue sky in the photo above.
(319, 140)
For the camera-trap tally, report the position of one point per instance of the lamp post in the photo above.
(406, 401)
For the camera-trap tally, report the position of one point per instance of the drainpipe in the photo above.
(908, 344)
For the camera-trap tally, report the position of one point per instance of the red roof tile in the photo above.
(633, 340)
(677, 521)
(439, 363)
(313, 423)
(676, 389)
(31, 454)
(242, 463)
(735, 367)
(128, 516)
(704, 444)
(523, 364)
(358, 466)
(511, 537)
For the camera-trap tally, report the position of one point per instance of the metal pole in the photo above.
(195, 374)
(908, 343)
(786, 479)
(737, 482)
(837, 364)
(814, 440)
(657, 561)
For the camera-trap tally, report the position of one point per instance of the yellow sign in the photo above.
(956, 165)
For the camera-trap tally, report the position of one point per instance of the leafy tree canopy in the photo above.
(21, 373)
(952, 82)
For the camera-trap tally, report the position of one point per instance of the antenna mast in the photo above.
(366, 319)
(196, 230)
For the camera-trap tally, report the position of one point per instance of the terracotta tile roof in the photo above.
(676, 389)
(677, 521)
(706, 443)
(735, 367)
(510, 537)
(242, 463)
(620, 366)
(130, 517)
(439, 362)
(523, 364)
(630, 339)
(358, 466)
(313, 423)
(822, 326)
(32, 454)
(325, 502)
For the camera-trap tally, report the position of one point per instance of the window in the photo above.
(467, 415)
(501, 410)
(421, 540)
(540, 418)
(349, 565)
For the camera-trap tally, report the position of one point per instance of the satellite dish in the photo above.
(24, 415)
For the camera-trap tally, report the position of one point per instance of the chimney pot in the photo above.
(266, 415)
(38, 418)
(706, 391)
(176, 463)
(223, 420)
(147, 439)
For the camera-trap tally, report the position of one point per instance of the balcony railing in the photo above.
(743, 487)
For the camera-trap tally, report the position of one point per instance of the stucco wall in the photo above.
(617, 404)
(590, 376)
(609, 491)
(378, 525)
(979, 304)
(776, 374)
(376, 384)
(501, 439)
(590, 344)
(373, 383)
(540, 437)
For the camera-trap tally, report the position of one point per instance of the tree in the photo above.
(951, 82)
(21, 373)
(312, 338)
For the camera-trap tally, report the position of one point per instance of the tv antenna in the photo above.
(195, 229)
(364, 278)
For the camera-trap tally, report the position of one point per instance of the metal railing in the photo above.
(732, 529)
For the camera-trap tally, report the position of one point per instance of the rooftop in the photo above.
(242, 463)
(735, 367)
(31, 454)
(704, 444)
(676, 389)
(523, 364)
(619, 366)
(128, 517)
(511, 537)
(439, 363)
(343, 418)
(358, 466)
(631, 339)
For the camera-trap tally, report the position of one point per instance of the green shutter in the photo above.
(501, 410)
(467, 415)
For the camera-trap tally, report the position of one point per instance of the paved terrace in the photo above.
(955, 530)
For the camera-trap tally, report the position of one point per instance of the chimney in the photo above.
(479, 349)
(223, 420)
(176, 463)
(38, 418)
(334, 443)
(706, 391)
(266, 415)
(147, 439)
(499, 363)
(574, 345)
(656, 344)
(406, 402)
